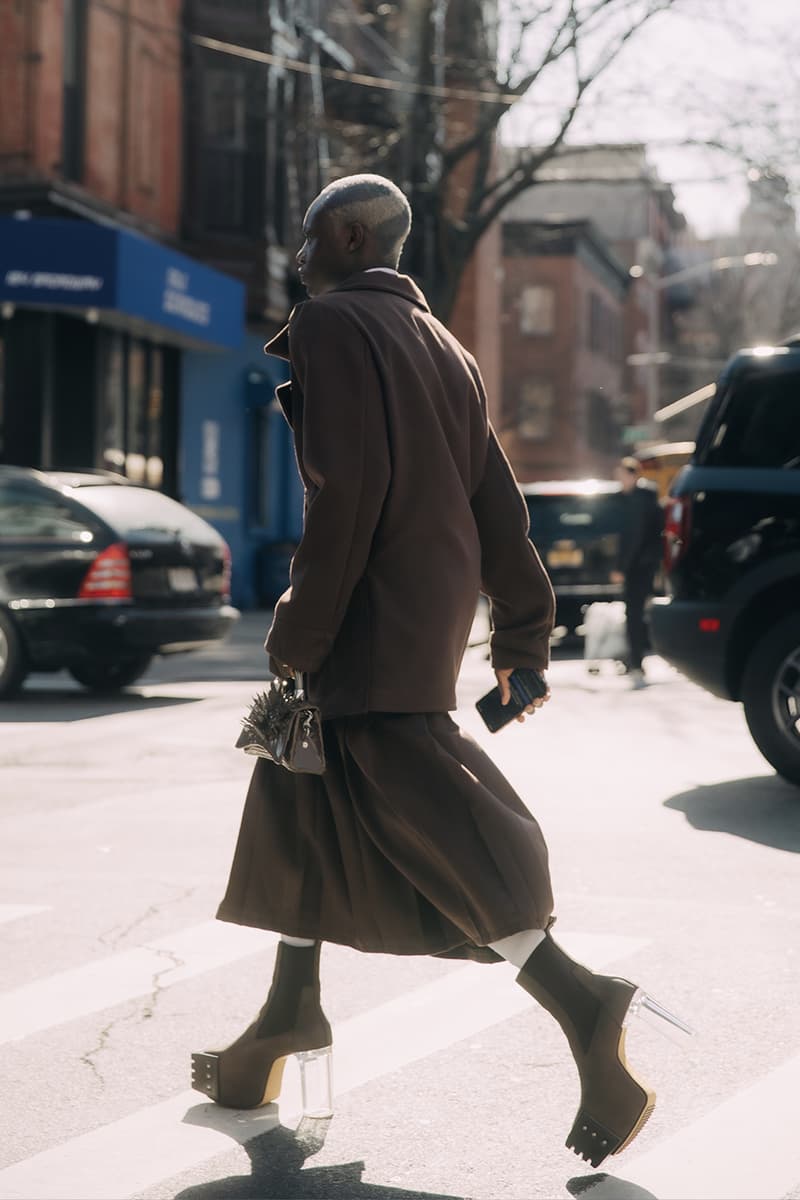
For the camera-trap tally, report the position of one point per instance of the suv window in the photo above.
(580, 517)
(28, 515)
(758, 424)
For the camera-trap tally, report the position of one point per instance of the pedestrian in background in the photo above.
(639, 556)
(411, 842)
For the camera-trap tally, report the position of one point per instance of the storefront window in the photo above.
(136, 439)
(112, 403)
(154, 464)
(133, 409)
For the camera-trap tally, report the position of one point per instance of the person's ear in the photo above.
(355, 237)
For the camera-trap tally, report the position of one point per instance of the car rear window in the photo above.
(758, 424)
(581, 518)
(132, 510)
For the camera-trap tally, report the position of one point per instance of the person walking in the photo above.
(639, 556)
(412, 841)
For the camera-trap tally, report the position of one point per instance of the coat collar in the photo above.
(370, 281)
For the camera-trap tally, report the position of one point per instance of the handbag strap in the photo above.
(299, 685)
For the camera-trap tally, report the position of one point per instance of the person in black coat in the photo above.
(639, 556)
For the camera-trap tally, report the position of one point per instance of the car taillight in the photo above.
(677, 524)
(226, 571)
(109, 576)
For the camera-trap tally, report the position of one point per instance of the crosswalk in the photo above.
(15, 912)
(69, 995)
(127, 1156)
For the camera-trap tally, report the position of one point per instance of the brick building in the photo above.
(616, 188)
(563, 315)
(156, 158)
(98, 304)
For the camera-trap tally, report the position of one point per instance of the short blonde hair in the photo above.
(376, 203)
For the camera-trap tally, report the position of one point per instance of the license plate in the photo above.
(182, 579)
(565, 557)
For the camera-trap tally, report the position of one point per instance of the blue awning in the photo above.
(66, 264)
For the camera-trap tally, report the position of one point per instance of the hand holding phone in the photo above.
(526, 685)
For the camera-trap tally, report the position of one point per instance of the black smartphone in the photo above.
(526, 685)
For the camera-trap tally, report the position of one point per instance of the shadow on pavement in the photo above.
(277, 1160)
(40, 705)
(607, 1187)
(765, 809)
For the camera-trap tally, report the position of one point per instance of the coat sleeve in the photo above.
(344, 457)
(521, 597)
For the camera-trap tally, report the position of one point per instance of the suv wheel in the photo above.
(110, 675)
(771, 697)
(13, 665)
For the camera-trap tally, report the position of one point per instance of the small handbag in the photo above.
(283, 726)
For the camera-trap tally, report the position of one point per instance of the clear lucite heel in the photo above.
(658, 1017)
(316, 1081)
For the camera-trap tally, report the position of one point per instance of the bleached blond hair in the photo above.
(376, 203)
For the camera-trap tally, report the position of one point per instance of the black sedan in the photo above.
(97, 576)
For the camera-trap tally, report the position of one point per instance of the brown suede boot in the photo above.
(249, 1072)
(591, 1009)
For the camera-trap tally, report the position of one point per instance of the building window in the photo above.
(537, 310)
(277, 203)
(604, 328)
(229, 136)
(224, 150)
(74, 89)
(536, 406)
(224, 108)
(112, 403)
(146, 127)
(595, 322)
(134, 416)
(602, 431)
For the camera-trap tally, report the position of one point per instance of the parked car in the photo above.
(97, 575)
(732, 552)
(575, 526)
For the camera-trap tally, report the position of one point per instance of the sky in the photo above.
(709, 69)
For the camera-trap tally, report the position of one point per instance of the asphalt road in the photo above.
(675, 862)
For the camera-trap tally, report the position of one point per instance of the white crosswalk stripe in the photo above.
(68, 995)
(745, 1148)
(108, 1163)
(15, 912)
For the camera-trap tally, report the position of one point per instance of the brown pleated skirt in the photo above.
(412, 842)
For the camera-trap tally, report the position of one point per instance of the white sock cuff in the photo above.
(518, 948)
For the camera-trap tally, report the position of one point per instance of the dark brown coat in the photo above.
(411, 508)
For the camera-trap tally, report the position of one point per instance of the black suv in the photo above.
(732, 552)
(575, 526)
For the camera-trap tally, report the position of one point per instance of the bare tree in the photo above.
(470, 68)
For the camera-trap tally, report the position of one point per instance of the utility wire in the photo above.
(297, 65)
(373, 81)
